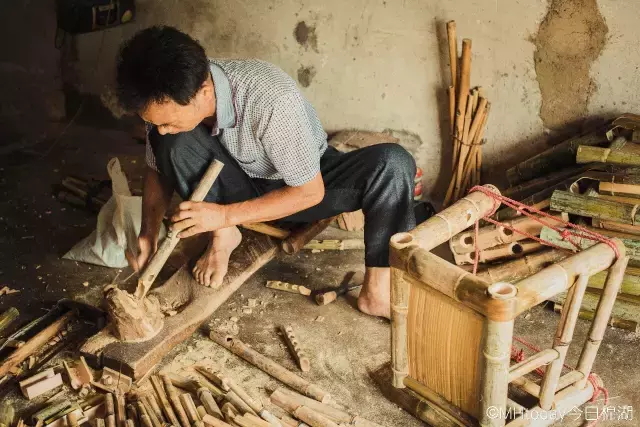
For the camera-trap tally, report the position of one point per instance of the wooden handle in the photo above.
(169, 243)
(298, 239)
(326, 298)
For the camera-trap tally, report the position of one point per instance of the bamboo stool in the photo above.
(451, 331)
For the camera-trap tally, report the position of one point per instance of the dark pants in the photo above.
(376, 179)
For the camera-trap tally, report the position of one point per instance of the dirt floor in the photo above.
(344, 345)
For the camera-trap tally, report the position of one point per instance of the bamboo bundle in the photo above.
(468, 113)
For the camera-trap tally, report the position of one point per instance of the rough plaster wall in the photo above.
(569, 40)
(366, 64)
(617, 71)
(369, 64)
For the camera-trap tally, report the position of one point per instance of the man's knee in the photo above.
(396, 159)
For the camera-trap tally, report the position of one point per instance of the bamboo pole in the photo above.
(564, 201)
(555, 237)
(559, 277)
(492, 236)
(599, 324)
(303, 413)
(462, 91)
(400, 292)
(495, 384)
(451, 221)
(613, 226)
(453, 52)
(564, 335)
(521, 268)
(267, 365)
(532, 363)
(554, 158)
(614, 322)
(628, 155)
(613, 189)
(451, 91)
(469, 138)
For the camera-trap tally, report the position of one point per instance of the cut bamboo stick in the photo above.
(628, 155)
(174, 398)
(164, 401)
(205, 396)
(492, 236)
(630, 190)
(20, 354)
(267, 365)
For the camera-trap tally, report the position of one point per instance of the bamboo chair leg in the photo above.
(399, 309)
(497, 351)
(497, 355)
(602, 315)
(564, 334)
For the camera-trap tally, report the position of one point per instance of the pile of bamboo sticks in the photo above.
(592, 180)
(468, 114)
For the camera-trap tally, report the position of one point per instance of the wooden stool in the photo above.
(451, 331)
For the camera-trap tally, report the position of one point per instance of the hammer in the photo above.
(328, 295)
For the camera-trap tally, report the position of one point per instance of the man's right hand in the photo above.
(139, 258)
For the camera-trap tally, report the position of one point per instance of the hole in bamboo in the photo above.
(502, 290)
(402, 239)
(507, 232)
(469, 215)
(468, 240)
(517, 249)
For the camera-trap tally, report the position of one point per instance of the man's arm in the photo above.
(197, 217)
(156, 196)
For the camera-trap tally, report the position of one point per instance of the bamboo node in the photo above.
(449, 232)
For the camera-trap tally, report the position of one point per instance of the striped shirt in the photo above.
(264, 122)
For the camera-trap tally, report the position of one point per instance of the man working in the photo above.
(250, 115)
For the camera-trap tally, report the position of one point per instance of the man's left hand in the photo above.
(192, 218)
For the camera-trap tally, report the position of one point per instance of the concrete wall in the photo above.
(381, 64)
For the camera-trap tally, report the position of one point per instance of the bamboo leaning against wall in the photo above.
(468, 113)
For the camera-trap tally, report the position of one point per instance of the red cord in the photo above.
(568, 232)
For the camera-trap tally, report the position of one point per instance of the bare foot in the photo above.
(213, 264)
(375, 296)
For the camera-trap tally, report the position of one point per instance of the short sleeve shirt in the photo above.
(265, 122)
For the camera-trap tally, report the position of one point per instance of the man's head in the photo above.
(163, 75)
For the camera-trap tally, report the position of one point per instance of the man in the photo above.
(251, 116)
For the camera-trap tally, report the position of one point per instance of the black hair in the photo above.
(157, 64)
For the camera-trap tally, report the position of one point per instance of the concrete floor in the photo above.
(36, 230)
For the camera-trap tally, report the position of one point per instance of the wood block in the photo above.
(40, 387)
(48, 373)
(194, 303)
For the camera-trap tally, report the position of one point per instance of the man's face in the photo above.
(171, 117)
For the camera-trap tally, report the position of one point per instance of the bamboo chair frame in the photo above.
(498, 304)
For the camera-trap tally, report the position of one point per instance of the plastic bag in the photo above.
(118, 225)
